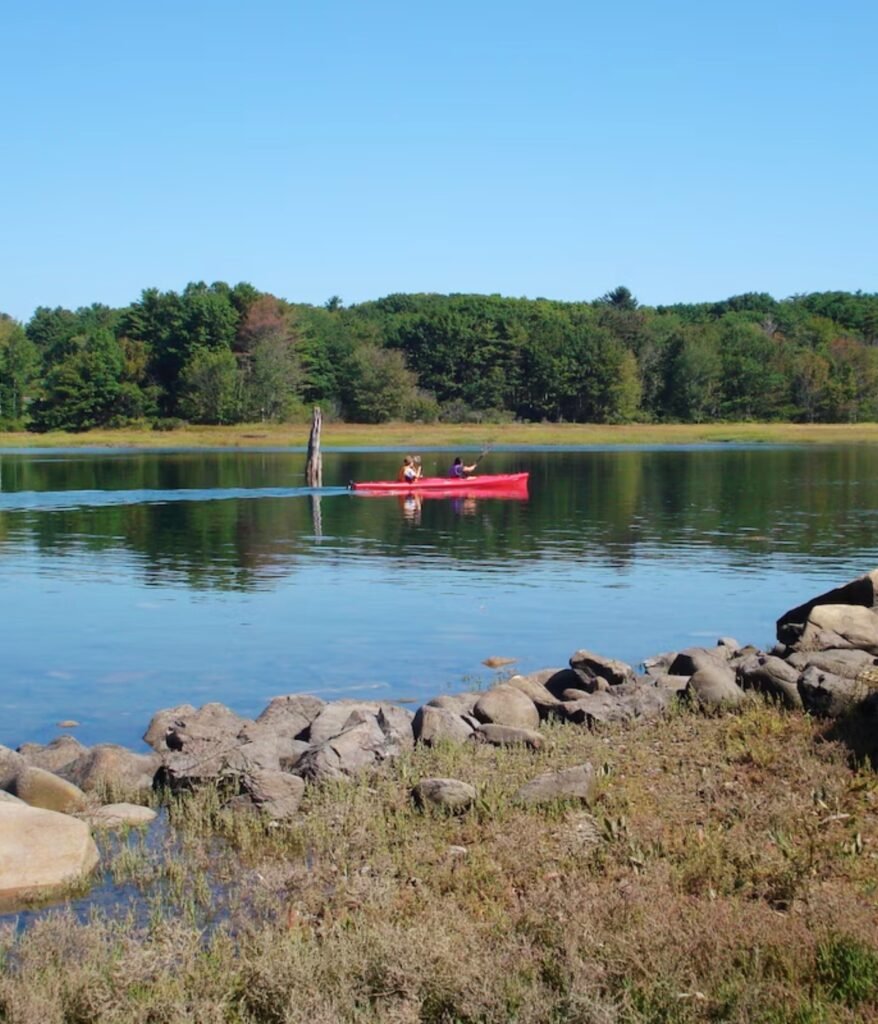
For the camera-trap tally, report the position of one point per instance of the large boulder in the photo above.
(829, 695)
(535, 689)
(210, 723)
(113, 770)
(771, 676)
(599, 667)
(506, 705)
(53, 756)
(563, 679)
(840, 626)
(41, 851)
(162, 722)
(600, 708)
(11, 763)
(47, 791)
(434, 725)
(459, 703)
(847, 663)
(715, 686)
(277, 794)
(861, 592)
(687, 662)
(291, 715)
(363, 745)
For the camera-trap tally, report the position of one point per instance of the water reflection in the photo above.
(237, 520)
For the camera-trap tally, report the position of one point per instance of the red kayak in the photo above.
(512, 484)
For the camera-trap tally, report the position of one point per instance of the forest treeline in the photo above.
(221, 354)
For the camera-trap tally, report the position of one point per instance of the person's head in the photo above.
(407, 461)
(457, 461)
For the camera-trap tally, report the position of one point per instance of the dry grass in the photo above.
(408, 435)
(726, 872)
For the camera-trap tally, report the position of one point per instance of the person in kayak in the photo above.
(410, 471)
(459, 470)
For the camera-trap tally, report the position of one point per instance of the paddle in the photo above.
(485, 451)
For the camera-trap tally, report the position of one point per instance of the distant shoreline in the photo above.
(450, 435)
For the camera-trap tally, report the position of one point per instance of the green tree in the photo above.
(19, 366)
(84, 389)
(379, 387)
(209, 387)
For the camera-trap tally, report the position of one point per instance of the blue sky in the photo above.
(689, 150)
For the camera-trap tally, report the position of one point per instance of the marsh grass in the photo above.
(726, 871)
(450, 435)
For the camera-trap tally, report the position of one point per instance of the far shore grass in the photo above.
(451, 435)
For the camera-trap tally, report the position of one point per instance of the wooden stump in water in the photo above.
(314, 463)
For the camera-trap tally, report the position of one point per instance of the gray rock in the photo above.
(829, 695)
(840, 626)
(576, 783)
(121, 815)
(847, 663)
(543, 701)
(41, 851)
(396, 724)
(596, 665)
(360, 747)
(506, 705)
(53, 756)
(771, 676)
(659, 664)
(447, 794)
(11, 763)
(688, 661)
(162, 721)
(509, 736)
(111, 769)
(291, 715)
(47, 791)
(277, 794)
(569, 679)
(597, 709)
(211, 723)
(571, 695)
(673, 684)
(861, 592)
(714, 686)
(458, 703)
(339, 715)
(728, 646)
(434, 725)
(643, 699)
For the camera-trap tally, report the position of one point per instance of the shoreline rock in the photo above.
(825, 663)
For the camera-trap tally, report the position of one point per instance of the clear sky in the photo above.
(688, 149)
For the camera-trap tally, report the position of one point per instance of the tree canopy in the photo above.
(219, 353)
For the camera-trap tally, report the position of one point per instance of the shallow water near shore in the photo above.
(133, 581)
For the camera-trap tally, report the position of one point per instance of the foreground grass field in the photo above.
(408, 435)
(725, 872)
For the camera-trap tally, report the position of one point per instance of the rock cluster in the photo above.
(51, 797)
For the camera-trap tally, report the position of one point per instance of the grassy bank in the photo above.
(408, 435)
(725, 872)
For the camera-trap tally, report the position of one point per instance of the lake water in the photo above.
(132, 581)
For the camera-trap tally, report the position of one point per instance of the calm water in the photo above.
(132, 581)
